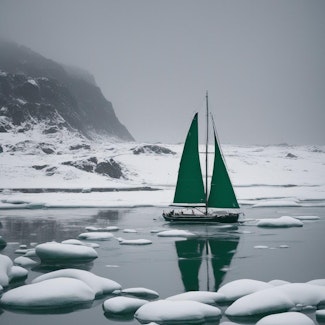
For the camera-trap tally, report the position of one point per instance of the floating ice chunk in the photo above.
(141, 292)
(261, 246)
(320, 314)
(109, 228)
(134, 241)
(25, 261)
(99, 285)
(276, 203)
(288, 318)
(242, 287)
(30, 253)
(175, 233)
(284, 221)
(32, 82)
(182, 312)
(96, 235)
(53, 252)
(53, 293)
(306, 217)
(206, 297)
(123, 305)
(278, 299)
(129, 230)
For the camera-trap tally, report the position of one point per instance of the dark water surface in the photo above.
(219, 254)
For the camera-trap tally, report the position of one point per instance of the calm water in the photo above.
(170, 265)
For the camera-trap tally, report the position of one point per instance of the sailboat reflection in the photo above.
(192, 252)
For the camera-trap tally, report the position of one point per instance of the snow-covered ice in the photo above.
(138, 241)
(175, 233)
(283, 222)
(141, 292)
(94, 235)
(206, 297)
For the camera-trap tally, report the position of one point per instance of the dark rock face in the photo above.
(152, 149)
(34, 89)
(107, 168)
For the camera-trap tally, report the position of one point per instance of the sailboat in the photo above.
(220, 204)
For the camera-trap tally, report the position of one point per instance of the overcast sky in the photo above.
(263, 62)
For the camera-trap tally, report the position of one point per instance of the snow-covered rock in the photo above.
(99, 285)
(96, 235)
(123, 305)
(52, 293)
(25, 261)
(288, 318)
(141, 292)
(134, 241)
(105, 229)
(54, 253)
(205, 297)
(181, 312)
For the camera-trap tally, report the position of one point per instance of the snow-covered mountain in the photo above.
(35, 90)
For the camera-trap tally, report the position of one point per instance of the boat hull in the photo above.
(195, 218)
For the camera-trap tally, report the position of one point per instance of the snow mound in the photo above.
(242, 287)
(99, 285)
(129, 230)
(182, 312)
(25, 261)
(141, 292)
(175, 233)
(283, 221)
(54, 253)
(79, 242)
(9, 272)
(306, 217)
(53, 293)
(134, 241)
(106, 229)
(96, 235)
(278, 299)
(205, 297)
(123, 305)
(288, 318)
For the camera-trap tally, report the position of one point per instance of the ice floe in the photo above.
(134, 241)
(52, 293)
(175, 233)
(205, 297)
(141, 292)
(276, 203)
(288, 318)
(284, 221)
(182, 312)
(96, 235)
(53, 253)
(123, 305)
(99, 285)
(306, 217)
(129, 230)
(105, 229)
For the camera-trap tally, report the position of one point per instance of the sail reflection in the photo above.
(210, 255)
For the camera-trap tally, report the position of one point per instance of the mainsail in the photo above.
(189, 187)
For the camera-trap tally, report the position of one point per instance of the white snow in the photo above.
(242, 287)
(79, 242)
(99, 285)
(94, 235)
(278, 299)
(306, 217)
(284, 221)
(288, 318)
(53, 252)
(25, 261)
(276, 203)
(138, 241)
(141, 292)
(123, 305)
(183, 312)
(175, 233)
(105, 229)
(205, 297)
(53, 293)
(10, 272)
(127, 230)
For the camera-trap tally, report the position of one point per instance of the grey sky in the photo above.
(263, 62)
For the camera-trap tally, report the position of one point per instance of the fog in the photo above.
(261, 61)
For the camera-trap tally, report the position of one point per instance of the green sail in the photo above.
(189, 187)
(222, 194)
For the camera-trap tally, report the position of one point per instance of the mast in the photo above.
(206, 154)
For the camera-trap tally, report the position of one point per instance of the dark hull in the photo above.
(189, 218)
